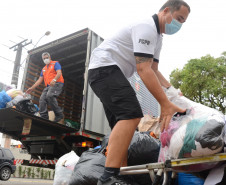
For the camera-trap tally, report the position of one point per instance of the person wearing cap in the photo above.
(135, 48)
(52, 76)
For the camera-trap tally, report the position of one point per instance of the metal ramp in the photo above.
(157, 169)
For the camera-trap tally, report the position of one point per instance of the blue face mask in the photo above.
(173, 27)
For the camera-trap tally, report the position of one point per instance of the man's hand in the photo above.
(52, 83)
(167, 112)
(29, 90)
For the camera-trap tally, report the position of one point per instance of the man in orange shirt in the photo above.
(54, 81)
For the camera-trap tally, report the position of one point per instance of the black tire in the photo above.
(5, 173)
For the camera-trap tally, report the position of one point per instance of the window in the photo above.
(9, 153)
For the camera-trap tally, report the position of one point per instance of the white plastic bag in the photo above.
(198, 133)
(64, 168)
(14, 101)
(14, 92)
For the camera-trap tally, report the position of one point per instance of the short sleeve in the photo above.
(158, 50)
(57, 66)
(41, 74)
(144, 40)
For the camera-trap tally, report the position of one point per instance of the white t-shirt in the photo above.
(140, 39)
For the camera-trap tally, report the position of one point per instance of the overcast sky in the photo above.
(202, 34)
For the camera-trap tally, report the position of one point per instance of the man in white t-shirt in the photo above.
(135, 48)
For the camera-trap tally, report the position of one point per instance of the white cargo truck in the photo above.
(47, 140)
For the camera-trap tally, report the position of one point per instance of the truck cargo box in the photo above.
(77, 100)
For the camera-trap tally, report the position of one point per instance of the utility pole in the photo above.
(18, 47)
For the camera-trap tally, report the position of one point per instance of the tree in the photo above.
(203, 81)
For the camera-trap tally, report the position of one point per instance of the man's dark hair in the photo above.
(175, 5)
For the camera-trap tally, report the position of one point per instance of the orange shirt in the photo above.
(49, 73)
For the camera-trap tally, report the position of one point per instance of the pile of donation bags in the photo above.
(17, 99)
(90, 165)
(198, 132)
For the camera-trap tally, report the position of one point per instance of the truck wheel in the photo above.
(5, 173)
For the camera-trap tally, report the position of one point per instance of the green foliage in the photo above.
(49, 174)
(203, 80)
(46, 174)
(24, 172)
(38, 169)
(33, 173)
(20, 171)
(175, 78)
(29, 172)
(42, 173)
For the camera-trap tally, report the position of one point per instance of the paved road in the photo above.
(22, 181)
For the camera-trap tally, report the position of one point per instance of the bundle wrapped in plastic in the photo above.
(14, 101)
(14, 92)
(89, 168)
(64, 168)
(199, 132)
(4, 99)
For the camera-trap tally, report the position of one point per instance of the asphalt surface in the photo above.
(23, 181)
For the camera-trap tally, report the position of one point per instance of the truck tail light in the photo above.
(84, 144)
(87, 144)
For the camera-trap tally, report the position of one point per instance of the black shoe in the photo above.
(114, 180)
(57, 119)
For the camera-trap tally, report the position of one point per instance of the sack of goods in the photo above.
(27, 106)
(14, 92)
(198, 132)
(89, 168)
(64, 168)
(4, 99)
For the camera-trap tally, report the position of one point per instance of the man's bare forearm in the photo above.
(150, 79)
(162, 79)
(37, 83)
(159, 75)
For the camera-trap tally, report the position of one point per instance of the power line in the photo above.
(13, 61)
(12, 41)
(7, 59)
(5, 45)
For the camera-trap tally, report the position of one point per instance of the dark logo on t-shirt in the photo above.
(143, 41)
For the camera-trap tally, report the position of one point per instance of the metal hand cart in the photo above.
(156, 170)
